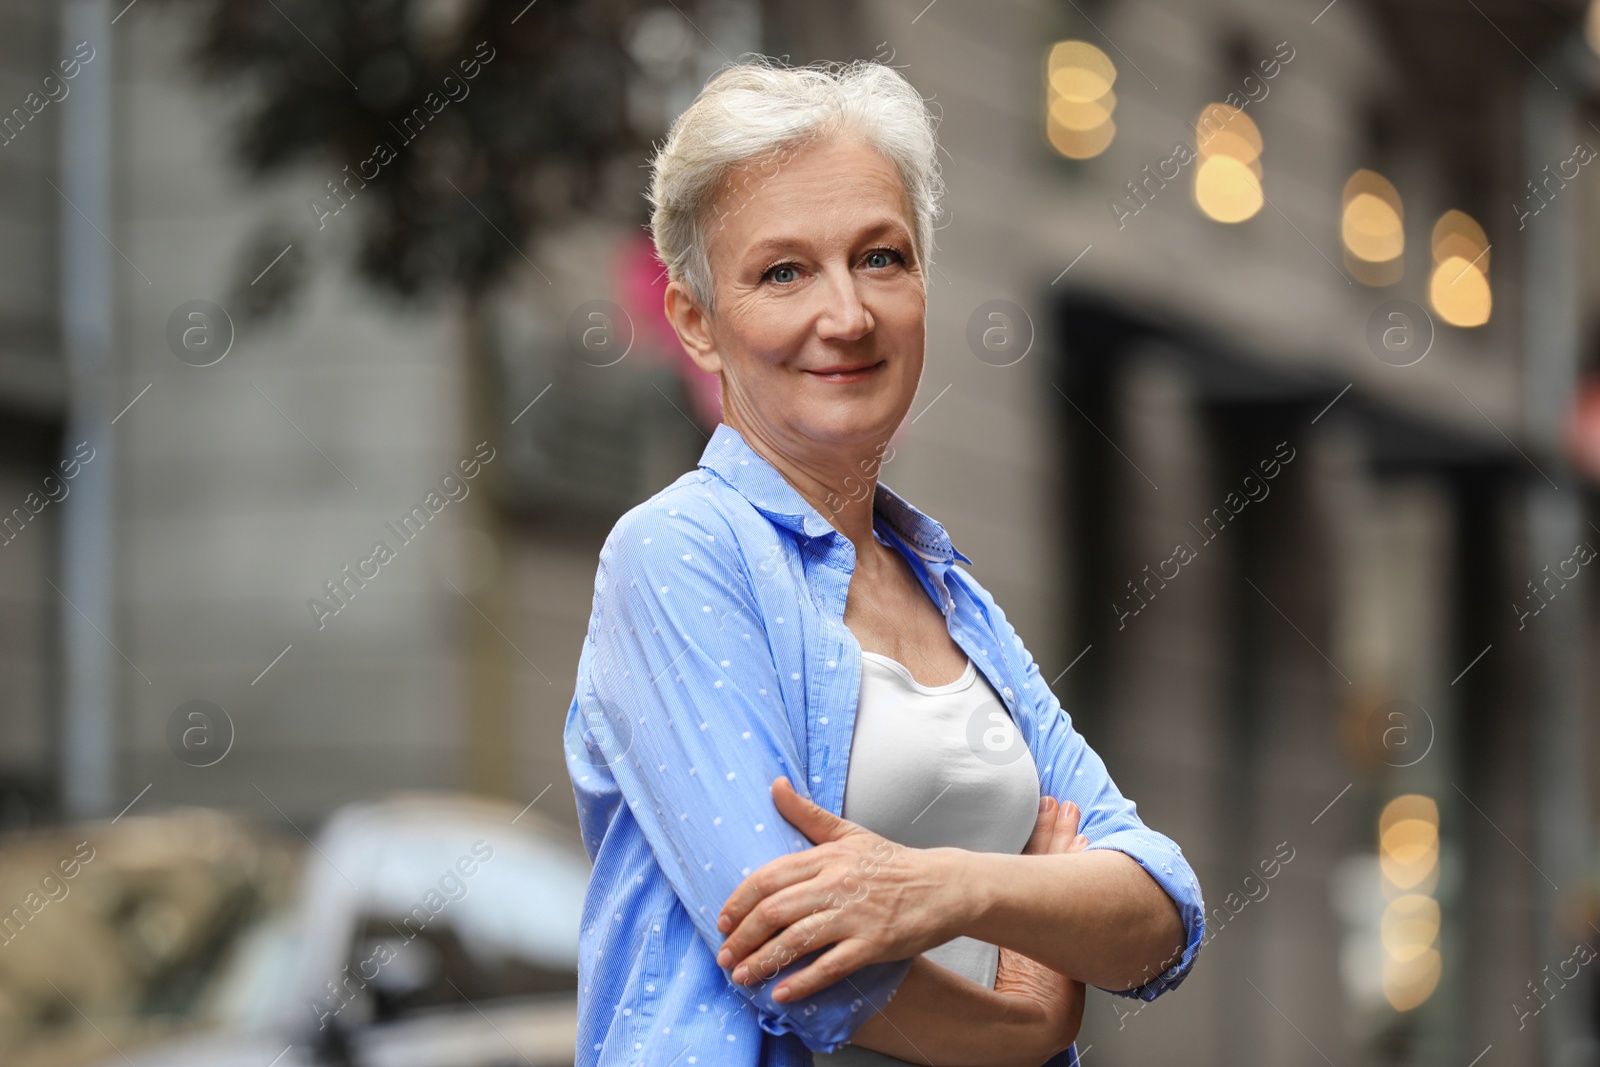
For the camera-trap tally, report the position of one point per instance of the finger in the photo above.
(753, 937)
(812, 930)
(1062, 824)
(1043, 828)
(763, 882)
(1066, 827)
(839, 962)
(816, 822)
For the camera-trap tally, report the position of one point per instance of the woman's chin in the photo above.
(849, 424)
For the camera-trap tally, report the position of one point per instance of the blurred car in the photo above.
(416, 931)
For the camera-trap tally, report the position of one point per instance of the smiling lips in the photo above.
(842, 373)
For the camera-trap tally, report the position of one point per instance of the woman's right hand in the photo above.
(1060, 997)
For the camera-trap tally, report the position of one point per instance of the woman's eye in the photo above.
(879, 258)
(783, 273)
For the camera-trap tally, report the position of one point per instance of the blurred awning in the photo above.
(1100, 332)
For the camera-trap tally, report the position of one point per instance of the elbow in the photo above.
(1172, 956)
(817, 1030)
(1174, 923)
(830, 1017)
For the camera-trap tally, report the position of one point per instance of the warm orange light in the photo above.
(1372, 229)
(1227, 190)
(1410, 926)
(1079, 115)
(1080, 72)
(1459, 288)
(1223, 129)
(1460, 293)
(1409, 840)
(1408, 806)
(1458, 234)
(1372, 225)
(1227, 182)
(1408, 854)
(1079, 100)
(1407, 985)
(1080, 144)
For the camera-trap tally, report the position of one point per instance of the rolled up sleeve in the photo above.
(1071, 770)
(682, 703)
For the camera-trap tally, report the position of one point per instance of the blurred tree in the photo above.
(452, 133)
(456, 129)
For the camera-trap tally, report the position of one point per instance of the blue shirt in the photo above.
(717, 659)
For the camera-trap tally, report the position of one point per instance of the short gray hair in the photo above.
(760, 110)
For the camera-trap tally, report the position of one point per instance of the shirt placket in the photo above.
(832, 675)
(983, 649)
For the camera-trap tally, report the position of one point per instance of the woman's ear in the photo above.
(693, 327)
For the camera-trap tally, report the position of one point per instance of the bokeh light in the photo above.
(1372, 228)
(1408, 854)
(1458, 234)
(1410, 925)
(1227, 181)
(1408, 985)
(1079, 100)
(1458, 288)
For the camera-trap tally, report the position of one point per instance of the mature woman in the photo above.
(832, 806)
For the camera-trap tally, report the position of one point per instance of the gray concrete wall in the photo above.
(247, 485)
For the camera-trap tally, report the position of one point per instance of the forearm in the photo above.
(1096, 916)
(938, 1013)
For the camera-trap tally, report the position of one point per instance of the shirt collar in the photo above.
(729, 456)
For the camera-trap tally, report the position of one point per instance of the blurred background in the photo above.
(1263, 389)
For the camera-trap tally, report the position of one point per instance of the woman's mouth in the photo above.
(845, 373)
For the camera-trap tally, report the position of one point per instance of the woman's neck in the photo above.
(841, 485)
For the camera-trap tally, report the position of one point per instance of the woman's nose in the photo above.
(844, 317)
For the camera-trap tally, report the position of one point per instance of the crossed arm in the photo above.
(936, 1011)
(1031, 1013)
(1062, 917)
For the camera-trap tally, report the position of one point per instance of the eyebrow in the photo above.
(769, 245)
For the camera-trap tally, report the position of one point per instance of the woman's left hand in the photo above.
(870, 898)
(1062, 998)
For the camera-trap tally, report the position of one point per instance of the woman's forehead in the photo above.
(837, 188)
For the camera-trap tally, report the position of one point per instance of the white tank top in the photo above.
(935, 766)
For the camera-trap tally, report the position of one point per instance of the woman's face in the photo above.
(818, 325)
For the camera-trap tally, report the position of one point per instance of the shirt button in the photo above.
(1007, 692)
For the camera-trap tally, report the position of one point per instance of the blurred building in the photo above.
(1303, 290)
(33, 384)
